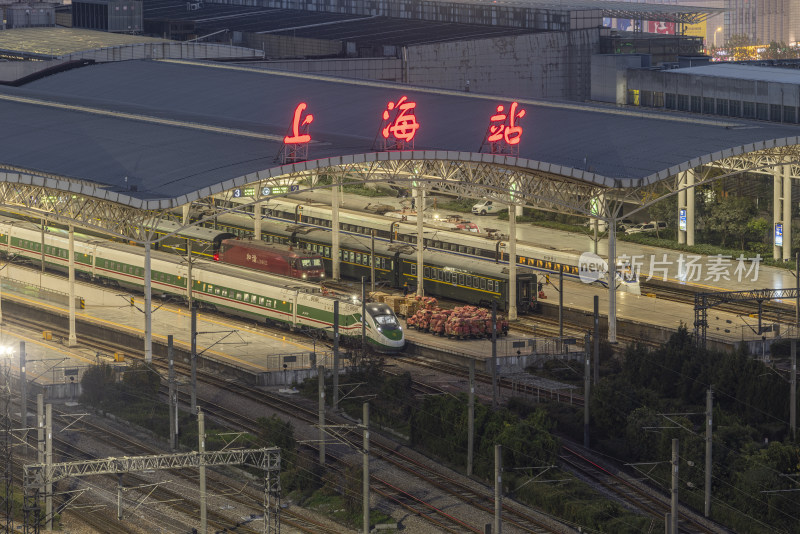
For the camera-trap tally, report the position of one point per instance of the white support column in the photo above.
(73, 339)
(787, 212)
(420, 240)
(257, 221)
(335, 273)
(690, 196)
(777, 211)
(512, 264)
(682, 206)
(148, 331)
(612, 280)
(185, 213)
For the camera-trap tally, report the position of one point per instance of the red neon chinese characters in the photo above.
(297, 137)
(502, 126)
(405, 125)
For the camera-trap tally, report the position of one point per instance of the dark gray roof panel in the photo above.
(167, 161)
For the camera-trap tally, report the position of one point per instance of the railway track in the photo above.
(311, 416)
(635, 495)
(503, 383)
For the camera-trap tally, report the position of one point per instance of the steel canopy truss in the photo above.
(36, 476)
(62, 205)
(506, 184)
(759, 162)
(704, 301)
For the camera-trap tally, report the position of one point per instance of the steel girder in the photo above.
(761, 162)
(507, 184)
(36, 475)
(503, 183)
(705, 301)
(62, 205)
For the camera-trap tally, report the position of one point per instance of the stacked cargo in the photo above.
(462, 322)
(472, 322)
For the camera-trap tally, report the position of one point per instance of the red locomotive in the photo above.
(272, 258)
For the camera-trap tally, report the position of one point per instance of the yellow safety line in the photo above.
(141, 118)
(139, 331)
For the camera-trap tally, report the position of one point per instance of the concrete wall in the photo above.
(785, 94)
(542, 65)
(385, 69)
(608, 77)
(166, 50)
(283, 46)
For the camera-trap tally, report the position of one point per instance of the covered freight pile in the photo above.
(461, 322)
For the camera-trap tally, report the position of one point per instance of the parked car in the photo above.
(487, 207)
(646, 227)
(602, 226)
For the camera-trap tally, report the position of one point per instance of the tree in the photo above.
(666, 210)
(729, 216)
(96, 384)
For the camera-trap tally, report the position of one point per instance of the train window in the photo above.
(471, 251)
(327, 251)
(462, 248)
(261, 300)
(246, 297)
(426, 272)
(490, 285)
(460, 279)
(414, 269)
(483, 283)
(217, 291)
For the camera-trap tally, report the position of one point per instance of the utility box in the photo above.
(121, 16)
(119, 356)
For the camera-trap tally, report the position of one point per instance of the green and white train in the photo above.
(237, 291)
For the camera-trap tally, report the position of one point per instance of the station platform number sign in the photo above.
(267, 190)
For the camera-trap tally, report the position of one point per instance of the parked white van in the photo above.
(487, 207)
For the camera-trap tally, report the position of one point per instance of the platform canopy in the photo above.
(108, 145)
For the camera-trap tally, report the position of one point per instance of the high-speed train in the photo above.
(229, 289)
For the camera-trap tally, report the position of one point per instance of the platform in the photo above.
(239, 345)
(652, 259)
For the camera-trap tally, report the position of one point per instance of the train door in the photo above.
(395, 270)
(527, 293)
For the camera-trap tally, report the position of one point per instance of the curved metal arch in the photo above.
(504, 182)
(761, 162)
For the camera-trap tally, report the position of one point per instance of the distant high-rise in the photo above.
(763, 21)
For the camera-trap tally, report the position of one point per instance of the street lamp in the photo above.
(719, 29)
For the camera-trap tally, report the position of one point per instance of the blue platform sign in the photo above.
(778, 234)
(682, 220)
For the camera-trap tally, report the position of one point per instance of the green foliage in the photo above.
(730, 216)
(364, 191)
(275, 432)
(751, 404)
(141, 379)
(97, 384)
(463, 205)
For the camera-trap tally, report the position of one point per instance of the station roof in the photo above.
(167, 132)
(744, 72)
(63, 41)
